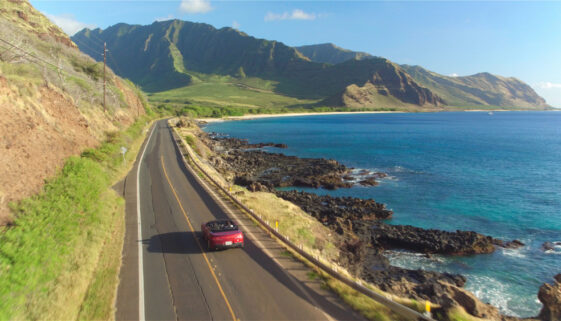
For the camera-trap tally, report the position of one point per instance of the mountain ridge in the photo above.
(174, 53)
(459, 91)
(203, 49)
(331, 53)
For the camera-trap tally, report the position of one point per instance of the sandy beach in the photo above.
(246, 117)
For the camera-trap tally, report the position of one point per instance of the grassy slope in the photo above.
(226, 94)
(61, 257)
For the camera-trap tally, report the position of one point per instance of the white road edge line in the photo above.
(141, 312)
(251, 235)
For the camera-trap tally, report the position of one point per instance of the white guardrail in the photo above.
(314, 259)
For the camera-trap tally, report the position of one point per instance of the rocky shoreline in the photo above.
(360, 222)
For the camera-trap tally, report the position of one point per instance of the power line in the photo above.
(58, 68)
(110, 56)
(31, 55)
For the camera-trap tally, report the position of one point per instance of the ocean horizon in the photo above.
(497, 174)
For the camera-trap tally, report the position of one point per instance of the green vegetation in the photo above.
(92, 69)
(214, 99)
(238, 74)
(20, 73)
(61, 256)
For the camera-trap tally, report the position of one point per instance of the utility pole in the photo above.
(104, 81)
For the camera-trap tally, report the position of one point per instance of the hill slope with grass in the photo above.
(174, 54)
(60, 153)
(50, 102)
(330, 53)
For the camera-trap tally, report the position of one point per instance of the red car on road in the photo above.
(222, 234)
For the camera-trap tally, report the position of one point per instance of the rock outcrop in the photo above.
(550, 297)
(272, 170)
(337, 212)
(435, 241)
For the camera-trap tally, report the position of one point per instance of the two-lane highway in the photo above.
(178, 279)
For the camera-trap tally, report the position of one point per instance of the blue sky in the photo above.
(519, 39)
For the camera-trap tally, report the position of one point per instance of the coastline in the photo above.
(482, 111)
(259, 116)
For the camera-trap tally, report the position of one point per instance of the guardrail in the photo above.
(356, 285)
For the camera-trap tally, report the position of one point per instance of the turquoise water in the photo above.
(495, 174)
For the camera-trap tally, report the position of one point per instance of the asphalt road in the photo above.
(180, 279)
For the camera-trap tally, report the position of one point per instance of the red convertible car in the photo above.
(222, 234)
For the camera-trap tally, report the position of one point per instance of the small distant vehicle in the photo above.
(222, 234)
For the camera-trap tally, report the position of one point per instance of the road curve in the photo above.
(181, 279)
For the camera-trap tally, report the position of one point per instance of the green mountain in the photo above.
(482, 89)
(479, 89)
(330, 53)
(174, 54)
(179, 58)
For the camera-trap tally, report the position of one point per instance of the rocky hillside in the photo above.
(50, 101)
(387, 84)
(479, 89)
(173, 54)
(482, 89)
(330, 53)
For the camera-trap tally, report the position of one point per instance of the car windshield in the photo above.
(222, 226)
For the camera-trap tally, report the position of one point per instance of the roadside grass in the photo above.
(46, 257)
(368, 307)
(60, 259)
(301, 228)
(99, 299)
(458, 314)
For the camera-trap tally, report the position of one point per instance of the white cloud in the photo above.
(549, 85)
(454, 75)
(69, 24)
(296, 14)
(195, 6)
(236, 25)
(169, 17)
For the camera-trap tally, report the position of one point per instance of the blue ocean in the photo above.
(498, 174)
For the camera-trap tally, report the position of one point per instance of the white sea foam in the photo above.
(488, 289)
(519, 253)
(492, 291)
(359, 174)
(401, 169)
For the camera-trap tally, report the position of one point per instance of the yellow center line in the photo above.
(198, 243)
